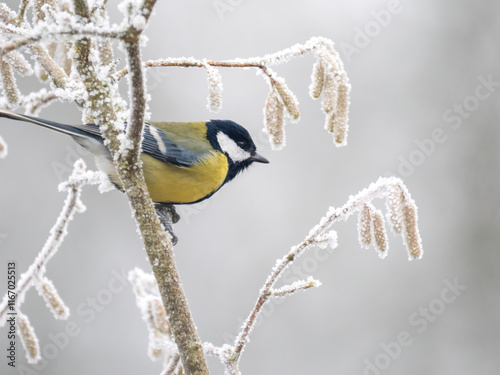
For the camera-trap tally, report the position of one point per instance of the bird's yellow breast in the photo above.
(169, 183)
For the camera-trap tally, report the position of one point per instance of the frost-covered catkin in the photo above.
(395, 208)
(28, 338)
(19, 63)
(379, 233)
(41, 73)
(62, 57)
(273, 120)
(330, 117)
(412, 235)
(3, 149)
(215, 89)
(327, 239)
(340, 122)
(365, 227)
(51, 297)
(155, 349)
(160, 317)
(39, 8)
(9, 86)
(154, 352)
(317, 79)
(6, 14)
(288, 97)
(330, 94)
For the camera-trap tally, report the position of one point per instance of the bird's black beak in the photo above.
(259, 158)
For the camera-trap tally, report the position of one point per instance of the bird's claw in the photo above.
(168, 216)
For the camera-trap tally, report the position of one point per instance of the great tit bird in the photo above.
(183, 162)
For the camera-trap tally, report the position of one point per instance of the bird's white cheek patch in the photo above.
(235, 152)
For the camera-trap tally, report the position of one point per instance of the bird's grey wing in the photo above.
(158, 145)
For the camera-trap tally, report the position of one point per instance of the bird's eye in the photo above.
(242, 144)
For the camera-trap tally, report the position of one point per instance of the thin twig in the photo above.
(56, 237)
(189, 63)
(313, 44)
(355, 204)
(32, 39)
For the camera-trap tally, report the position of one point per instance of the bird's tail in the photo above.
(58, 127)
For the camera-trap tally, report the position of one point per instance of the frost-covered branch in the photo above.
(45, 34)
(137, 99)
(297, 286)
(35, 275)
(402, 215)
(158, 245)
(69, 42)
(329, 78)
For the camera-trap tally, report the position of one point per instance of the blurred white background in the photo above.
(408, 75)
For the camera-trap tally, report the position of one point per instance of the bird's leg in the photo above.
(168, 215)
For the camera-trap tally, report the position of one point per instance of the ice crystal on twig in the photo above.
(327, 239)
(295, 287)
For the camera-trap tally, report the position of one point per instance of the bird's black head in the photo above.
(235, 142)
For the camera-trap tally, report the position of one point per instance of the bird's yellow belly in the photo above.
(169, 183)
